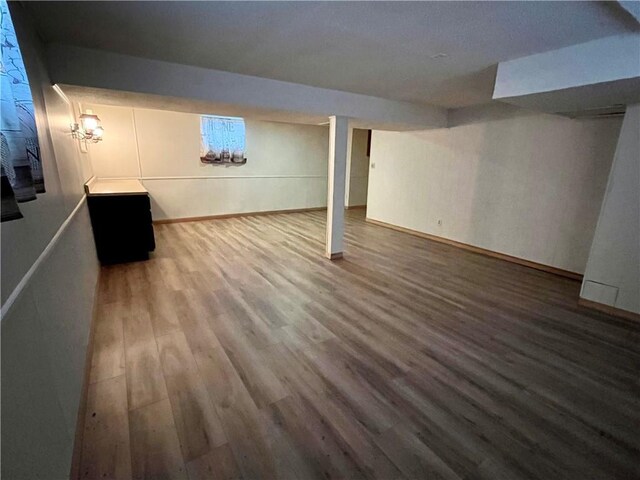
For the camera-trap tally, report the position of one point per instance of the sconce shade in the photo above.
(89, 121)
(98, 132)
(89, 128)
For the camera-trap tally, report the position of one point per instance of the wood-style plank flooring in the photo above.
(239, 352)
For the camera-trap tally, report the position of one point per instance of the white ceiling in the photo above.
(385, 49)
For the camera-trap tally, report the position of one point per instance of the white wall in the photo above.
(612, 276)
(528, 186)
(358, 169)
(45, 322)
(45, 336)
(286, 167)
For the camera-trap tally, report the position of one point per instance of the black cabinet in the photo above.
(122, 227)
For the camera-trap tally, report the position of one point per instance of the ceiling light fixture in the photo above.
(439, 55)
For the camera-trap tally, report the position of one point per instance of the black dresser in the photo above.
(121, 219)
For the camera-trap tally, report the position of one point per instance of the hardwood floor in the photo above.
(238, 351)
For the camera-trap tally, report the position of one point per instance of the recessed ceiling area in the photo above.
(441, 53)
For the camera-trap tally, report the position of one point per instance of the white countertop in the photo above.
(113, 186)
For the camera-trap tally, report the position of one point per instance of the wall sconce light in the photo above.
(89, 128)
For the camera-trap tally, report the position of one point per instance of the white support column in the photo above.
(347, 181)
(339, 142)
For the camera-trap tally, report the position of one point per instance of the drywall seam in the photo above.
(41, 258)
(135, 136)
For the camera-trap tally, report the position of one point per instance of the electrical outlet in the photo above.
(373, 165)
(440, 222)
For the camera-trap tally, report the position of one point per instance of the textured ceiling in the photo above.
(385, 49)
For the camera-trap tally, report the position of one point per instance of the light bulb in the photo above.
(98, 132)
(89, 123)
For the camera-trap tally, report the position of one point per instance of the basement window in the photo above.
(222, 140)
